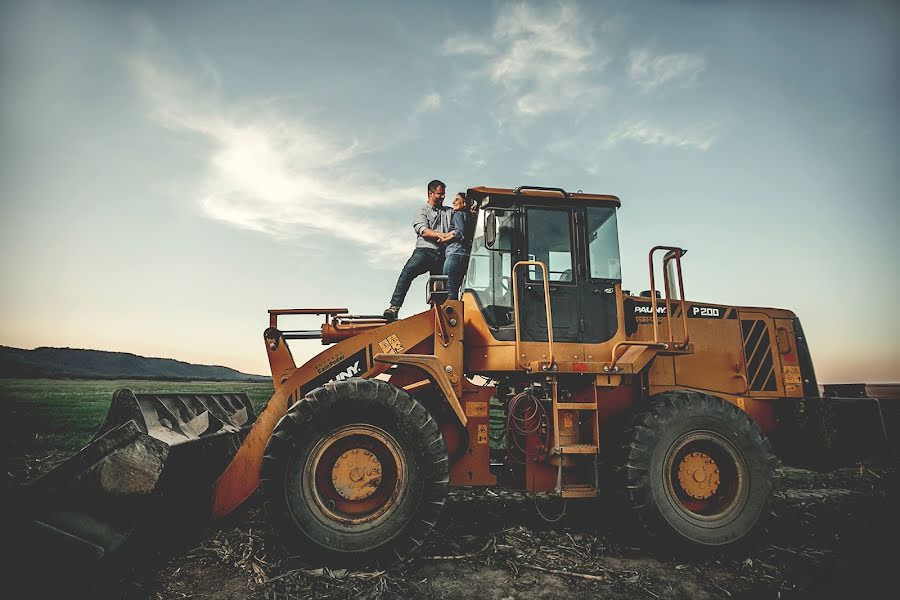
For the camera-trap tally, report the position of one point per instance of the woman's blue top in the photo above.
(458, 245)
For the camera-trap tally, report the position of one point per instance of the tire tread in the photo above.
(345, 396)
(662, 411)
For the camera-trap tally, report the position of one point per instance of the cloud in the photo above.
(542, 60)
(535, 167)
(699, 137)
(649, 72)
(274, 174)
(466, 44)
(474, 154)
(430, 102)
(561, 145)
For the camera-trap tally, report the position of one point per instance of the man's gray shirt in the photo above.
(428, 217)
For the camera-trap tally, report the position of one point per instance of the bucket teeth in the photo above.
(155, 455)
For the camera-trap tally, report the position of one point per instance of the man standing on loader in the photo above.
(431, 222)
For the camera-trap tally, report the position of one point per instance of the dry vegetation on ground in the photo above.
(831, 535)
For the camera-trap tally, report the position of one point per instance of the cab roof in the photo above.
(510, 195)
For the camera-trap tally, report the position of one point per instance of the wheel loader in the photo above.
(674, 404)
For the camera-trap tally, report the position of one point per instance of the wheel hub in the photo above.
(356, 474)
(698, 475)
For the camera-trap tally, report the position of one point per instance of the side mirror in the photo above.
(490, 229)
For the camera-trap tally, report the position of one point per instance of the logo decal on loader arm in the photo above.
(353, 366)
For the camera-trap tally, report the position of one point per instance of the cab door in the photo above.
(549, 238)
(599, 244)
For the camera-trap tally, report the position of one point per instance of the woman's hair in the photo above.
(466, 204)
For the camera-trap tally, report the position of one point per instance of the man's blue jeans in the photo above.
(455, 268)
(423, 260)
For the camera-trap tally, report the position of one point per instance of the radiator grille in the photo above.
(758, 355)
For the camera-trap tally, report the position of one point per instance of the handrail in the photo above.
(518, 190)
(615, 351)
(676, 256)
(673, 253)
(328, 312)
(516, 303)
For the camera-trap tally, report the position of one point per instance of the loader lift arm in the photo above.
(364, 338)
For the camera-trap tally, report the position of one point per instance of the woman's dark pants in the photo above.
(455, 268)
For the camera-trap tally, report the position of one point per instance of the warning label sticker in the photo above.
(391, 345)
(483, 434)
(476, 409)
(791, 374)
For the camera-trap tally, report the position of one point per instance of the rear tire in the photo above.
(699, 471)
(355, 473)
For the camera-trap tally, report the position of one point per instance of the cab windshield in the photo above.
(490, 270)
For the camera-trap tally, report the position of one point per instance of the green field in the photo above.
(44, 416)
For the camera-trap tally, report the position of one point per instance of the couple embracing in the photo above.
(442, 244)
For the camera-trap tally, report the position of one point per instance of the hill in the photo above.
(73, 363)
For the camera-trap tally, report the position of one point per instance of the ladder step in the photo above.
(579, 449)
(581, 490)
(576, 406)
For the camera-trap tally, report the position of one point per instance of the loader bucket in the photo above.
(153, 461)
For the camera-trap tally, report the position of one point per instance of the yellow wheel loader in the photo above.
(675, 402)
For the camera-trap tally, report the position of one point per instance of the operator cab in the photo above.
(574, 235)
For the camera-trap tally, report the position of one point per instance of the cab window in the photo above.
(603, 243)
(550, 241)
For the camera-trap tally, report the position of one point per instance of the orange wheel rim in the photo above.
(356, 475)
(706, 478)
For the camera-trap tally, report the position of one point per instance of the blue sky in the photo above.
(170, 172)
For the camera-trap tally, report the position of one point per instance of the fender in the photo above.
(431, 367)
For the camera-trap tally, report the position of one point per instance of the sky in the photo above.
(170, 171)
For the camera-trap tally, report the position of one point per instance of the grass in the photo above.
(41, 416)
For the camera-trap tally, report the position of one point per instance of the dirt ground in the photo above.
(830, 535)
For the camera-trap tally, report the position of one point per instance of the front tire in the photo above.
(699, 472)
(356, 473)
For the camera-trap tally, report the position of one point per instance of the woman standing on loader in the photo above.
(459, 243)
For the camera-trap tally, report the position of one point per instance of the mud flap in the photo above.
(154, 459)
